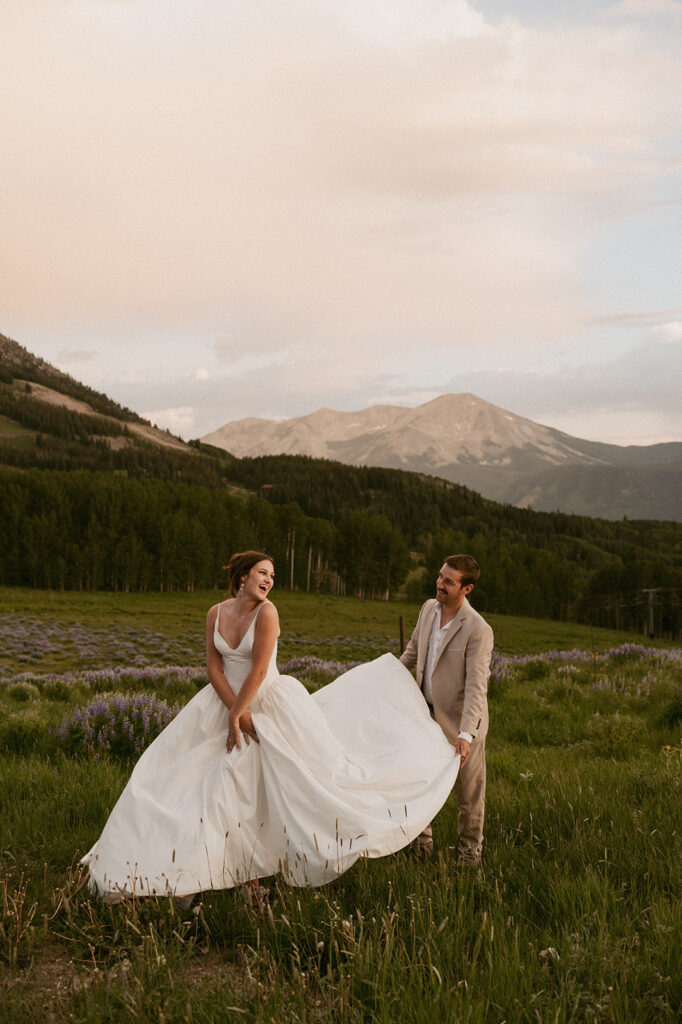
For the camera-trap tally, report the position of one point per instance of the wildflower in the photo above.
(115, 725)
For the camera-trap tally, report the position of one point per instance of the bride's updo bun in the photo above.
(241, 564)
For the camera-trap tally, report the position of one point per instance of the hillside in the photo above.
(469, 441)
(49, 420)
(20, 365)
(31, 380)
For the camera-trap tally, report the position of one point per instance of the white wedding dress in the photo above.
(356, 769)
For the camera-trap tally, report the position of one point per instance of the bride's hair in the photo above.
(241, 564)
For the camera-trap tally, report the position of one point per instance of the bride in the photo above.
(256, 776)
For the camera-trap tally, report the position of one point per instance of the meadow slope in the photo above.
(575, 915)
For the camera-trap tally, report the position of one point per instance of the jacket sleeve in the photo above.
(409, 655)
(478, 651)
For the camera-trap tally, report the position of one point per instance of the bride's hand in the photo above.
(241, 724)
(233, 732)
(247, 727)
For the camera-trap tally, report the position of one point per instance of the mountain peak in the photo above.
(470, 441)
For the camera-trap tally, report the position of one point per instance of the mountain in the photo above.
(464, 439)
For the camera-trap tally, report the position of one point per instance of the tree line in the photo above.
(91, 531)
(542, 564)
(56, 420)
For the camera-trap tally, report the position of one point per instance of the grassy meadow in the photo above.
(576, 914)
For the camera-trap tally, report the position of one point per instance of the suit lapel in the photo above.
(426, 630)
(435, 610)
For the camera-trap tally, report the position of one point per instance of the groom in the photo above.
(451, 647)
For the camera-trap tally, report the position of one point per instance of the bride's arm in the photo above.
(214, 663)
(265, 635)
(218, 679)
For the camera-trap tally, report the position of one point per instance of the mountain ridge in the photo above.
(460, 438)
(464, 439)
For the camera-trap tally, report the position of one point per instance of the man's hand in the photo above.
(462, 747)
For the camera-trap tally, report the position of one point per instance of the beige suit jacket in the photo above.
(459, 681)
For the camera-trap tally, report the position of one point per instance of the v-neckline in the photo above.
(246, 632)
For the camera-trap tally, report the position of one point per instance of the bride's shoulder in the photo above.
(268, 610)
(214, 609)
(268, 614)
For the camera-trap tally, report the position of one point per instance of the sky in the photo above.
(232, 208)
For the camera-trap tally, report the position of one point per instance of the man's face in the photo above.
(449, 590)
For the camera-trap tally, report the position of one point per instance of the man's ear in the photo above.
(468, 588)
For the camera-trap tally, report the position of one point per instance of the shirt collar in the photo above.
(436, 621)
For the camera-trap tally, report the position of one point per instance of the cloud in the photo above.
(647, 8)
(340, 171)
(408, 21)
(628, 398)
(257, 209)
(671, 332)
(70, 356)
(641, 318)
(600, 399)
(179, 420)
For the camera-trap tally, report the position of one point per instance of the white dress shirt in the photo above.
(438, 635)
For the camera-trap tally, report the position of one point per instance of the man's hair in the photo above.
(467, 565)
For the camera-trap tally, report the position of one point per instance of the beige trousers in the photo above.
(469, 791)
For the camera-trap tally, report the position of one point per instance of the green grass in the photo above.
(575, 916)
(13, 433)
(170, 628)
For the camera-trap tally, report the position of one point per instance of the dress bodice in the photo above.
(237, 660)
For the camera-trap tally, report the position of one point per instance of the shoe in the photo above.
(467, 861)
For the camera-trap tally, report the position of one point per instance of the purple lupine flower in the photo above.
(115, 724)
(306, 664)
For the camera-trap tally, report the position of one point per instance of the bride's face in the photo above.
(260, 581)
